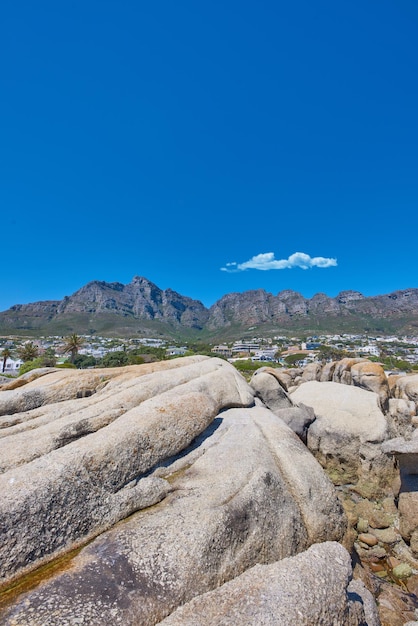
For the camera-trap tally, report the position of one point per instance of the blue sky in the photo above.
(210, 147)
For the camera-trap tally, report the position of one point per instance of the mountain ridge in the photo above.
(139, 307)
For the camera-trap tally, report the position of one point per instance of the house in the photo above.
(370, 349)
(12, 366)
(174, 351)
(245, 346)
(222, 350)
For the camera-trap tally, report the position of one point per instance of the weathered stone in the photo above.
(56, 500)
(349, 423)
(270, 595)
(396, 606)
(60, 423)
(389, 506)
(344, 409)
(312, 371)
(248, 492)
(269, 389)
(376, 566)
(371, 376)
(408, 514)
(413, 542)
(368, 553)
(295, 373)
(403, 570)
(46, 386)
(298, 418)
(406, 387)
(376, 516)
(371, 612)
(368, 539)
(362, 525)
(342, 371)
(386, 535)
(284, 378)
(392, 380)
(413, 585)
(406, 453)
(327, 371)
(34, 374)
(402, 411)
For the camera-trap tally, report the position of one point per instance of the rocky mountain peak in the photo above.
(139, 304)
(344, 297)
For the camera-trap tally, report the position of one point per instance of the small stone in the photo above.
(381, 520)
(376, 567)
(414, 543)
(389, 506)
(386, 535)
(376, 517)
(402, 571)
(382, 574)
(377, 552)
(368, 539)
(413, 586)
(393, 562)
(362, 525)
(368, 554)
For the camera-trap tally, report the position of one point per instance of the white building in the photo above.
(173, 351)
(265, 354)
(245, 346)
(12, 366)
(370, 349)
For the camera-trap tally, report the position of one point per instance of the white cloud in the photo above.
(266, 261)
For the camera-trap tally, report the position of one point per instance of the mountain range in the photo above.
(141, 308)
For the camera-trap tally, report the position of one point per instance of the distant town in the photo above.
(395, 353)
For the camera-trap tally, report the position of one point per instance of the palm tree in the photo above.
(28, 351)
(72, 345)
(6, 354)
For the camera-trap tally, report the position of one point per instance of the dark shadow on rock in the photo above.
(196, 443)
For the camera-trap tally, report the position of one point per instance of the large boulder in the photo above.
(372, 377)
(267, 384)
(406, 453)
(406, 387)
(312, 371)
(49, 385)
(401, 413)
(268, 388)
(62, 421)
(346, 434)
(342, 370)
(311, 588)
(327, 371)
(73, 472)
(246, 492)
(298, 418)
(284, 376)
